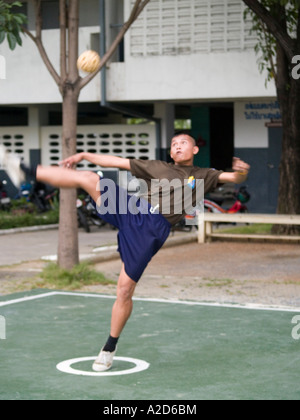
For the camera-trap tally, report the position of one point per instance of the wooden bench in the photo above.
(206, 221)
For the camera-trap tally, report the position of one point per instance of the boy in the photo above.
(143, 233)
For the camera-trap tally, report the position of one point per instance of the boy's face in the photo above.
(183, 149)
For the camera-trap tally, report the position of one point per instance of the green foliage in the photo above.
(11, 24)
(183, 124)
(256, 229)
(267, 43)
(24, 218)
(81, 275)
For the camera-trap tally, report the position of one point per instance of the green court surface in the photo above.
(168, 350)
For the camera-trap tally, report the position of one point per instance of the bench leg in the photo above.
(208, 230)
(201, 230)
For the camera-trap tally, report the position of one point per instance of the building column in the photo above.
(37, 117)
(166, 113)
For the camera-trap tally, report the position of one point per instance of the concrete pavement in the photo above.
(99, 244)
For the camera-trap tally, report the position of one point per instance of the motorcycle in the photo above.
(231, 200)
(43, 197)
(86, 213)
(5, 202)
(240, 198)
(39, 194)
(82, 216)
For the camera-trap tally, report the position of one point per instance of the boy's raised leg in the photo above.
(69, 178)
(56, 176)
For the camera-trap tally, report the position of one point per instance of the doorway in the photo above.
(221, 137)
(213, 129)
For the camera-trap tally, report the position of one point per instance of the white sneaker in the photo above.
(11, 164)
(104, 361)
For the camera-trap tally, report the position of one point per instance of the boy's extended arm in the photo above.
(106, 161)
(239, 175)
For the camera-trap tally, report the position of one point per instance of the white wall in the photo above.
(215, 76)
(250, 118)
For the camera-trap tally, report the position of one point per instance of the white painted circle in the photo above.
(65, 367)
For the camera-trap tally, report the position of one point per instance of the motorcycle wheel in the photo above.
(82, 221)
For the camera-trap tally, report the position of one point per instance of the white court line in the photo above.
(65, 367)
(26, 298)
(256, 307)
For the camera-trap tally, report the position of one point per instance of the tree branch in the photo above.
(270, 55)
(274, 26)
(141, 7)
(44, 56)
(73, 28)
(63, 38)
(136, 11)
(38, 42)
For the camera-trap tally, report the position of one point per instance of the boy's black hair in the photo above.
(180, 133)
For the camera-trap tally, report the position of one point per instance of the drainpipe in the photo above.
(117, 107)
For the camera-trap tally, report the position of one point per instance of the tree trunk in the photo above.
(68, 254)
(68, 251)
(289, 185)
(288, 91)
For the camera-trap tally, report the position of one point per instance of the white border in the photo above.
(251, 306)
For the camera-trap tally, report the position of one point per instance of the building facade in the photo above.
(184, 63)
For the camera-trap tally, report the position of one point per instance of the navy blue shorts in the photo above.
(141, 232)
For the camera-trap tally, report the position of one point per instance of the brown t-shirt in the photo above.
(171, 189)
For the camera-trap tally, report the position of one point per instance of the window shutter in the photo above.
(178, 27)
